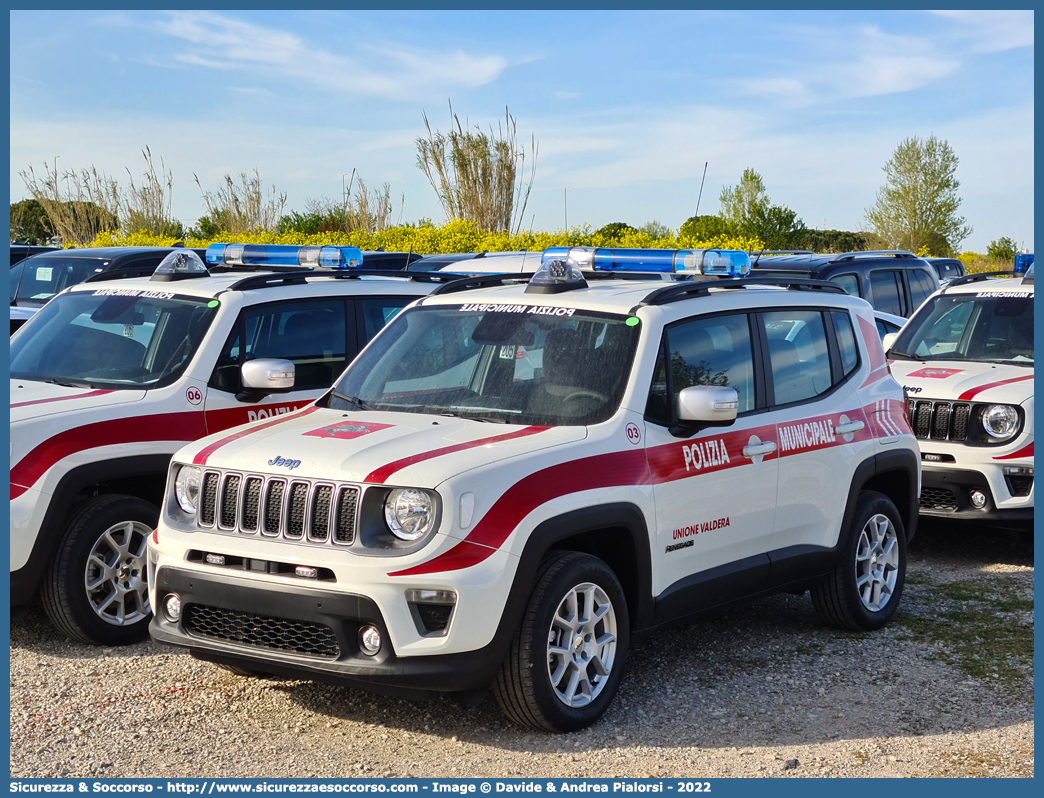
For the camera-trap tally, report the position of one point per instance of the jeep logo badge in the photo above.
(282, 461)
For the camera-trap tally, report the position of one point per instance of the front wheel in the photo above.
(863, 592)
(96, 587)
(565, 663)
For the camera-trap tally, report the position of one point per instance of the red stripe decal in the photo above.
(161, 427)
(712, 451)
(60, 398)
(1025, 451)
(878, 363)
(381, 474)
(210, 448)
(973, 392)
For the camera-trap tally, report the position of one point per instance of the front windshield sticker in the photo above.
(134, 292)
(348, 430)
(935, 374)
(1012, 292)
(535, 309)
(43, 274)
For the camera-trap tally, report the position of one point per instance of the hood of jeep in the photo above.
(31, 399)
(957, 380)
(374, 447)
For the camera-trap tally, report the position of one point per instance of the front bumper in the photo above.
(304, 633)
(945, 494)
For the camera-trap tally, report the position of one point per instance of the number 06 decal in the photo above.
(634, 435)
(194, 395)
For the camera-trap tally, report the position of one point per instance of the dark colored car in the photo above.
(20, 252)
(379, 259)
(893, 281)
(948, 269)
(35, 280)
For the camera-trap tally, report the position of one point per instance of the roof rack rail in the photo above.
(463, 282)
(871, 253)
(122, 274)
(300, 277)
(977, 278)
(782, 252)
(696, 288)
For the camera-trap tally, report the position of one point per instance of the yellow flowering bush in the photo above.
(456, 236)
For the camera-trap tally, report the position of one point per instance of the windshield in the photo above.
(111, 338)
(42, 278)
(990, 326)
(519, 364)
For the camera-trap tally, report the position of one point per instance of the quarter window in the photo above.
(846, 341)
(847, 281)
(922, 285)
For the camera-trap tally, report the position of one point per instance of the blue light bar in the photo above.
(328, 257)
(729, 262)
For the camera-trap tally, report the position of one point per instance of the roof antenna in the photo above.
(696, 216)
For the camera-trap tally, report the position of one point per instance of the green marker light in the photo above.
(632, 322)
(213, 303)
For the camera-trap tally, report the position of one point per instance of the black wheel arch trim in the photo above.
(26, 580)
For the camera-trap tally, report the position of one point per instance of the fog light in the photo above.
(1017, 471)
(172, 607)
(215, 559)
(370, 640)
(978, 499)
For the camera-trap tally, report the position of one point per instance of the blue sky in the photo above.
(626, 107)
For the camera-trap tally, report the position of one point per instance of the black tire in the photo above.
(523, 687)
(64, 593)
(839, 599)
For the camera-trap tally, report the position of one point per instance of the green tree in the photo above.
(1001, 249)
(479, 177)
(613, 230)
(741, 205)
(703, 228)
(918, 204)
(29, 223)
(777, 226)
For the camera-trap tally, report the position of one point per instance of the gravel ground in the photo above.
(762, 690)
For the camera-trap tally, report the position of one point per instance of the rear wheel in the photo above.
(565, 663)
(96, 587)
(864, 590)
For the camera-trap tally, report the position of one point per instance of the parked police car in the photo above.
(965, 360)
(448, 517)
(113, 376)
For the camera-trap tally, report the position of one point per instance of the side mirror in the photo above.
(888, 340)
(263, 377)
(702, 406)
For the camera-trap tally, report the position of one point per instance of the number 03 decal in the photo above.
(634, 435)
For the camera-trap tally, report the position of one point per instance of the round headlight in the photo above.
(1000, 421)
(186, 487)
(409, 513)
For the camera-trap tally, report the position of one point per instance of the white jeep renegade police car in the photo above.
(965, 360)
(447, 517)
(112, 377)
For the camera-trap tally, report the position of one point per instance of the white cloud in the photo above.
(849, 64)
(992, 31)
(218, 42)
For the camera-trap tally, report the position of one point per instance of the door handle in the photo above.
(768, 447)
(850, 426)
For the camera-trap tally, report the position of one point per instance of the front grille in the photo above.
(263, 631)
(208, 501)
(230, 501)
(296, 510)
(938, 499)
(295, 514)
(939, 421)
(1018, 485)
(273, 506)
(251, 504)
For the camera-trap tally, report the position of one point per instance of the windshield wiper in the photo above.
(901, 355)
(67, 384)
(353, 400)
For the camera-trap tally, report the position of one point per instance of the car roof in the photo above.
(210, 286)
(108, 253)
(613, 295)
(977, 283)
(811, 262)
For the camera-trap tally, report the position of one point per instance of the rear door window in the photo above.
(886, 288)
(922, 286)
